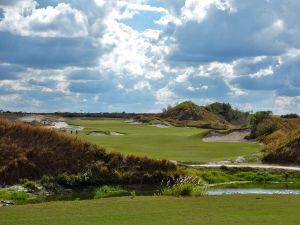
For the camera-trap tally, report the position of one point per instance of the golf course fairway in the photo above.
(157, 210)
(173, 143)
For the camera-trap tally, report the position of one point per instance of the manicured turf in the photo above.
(208, 210)
(182, 144)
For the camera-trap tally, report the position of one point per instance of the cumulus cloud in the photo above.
(141, 55)
(235, 30)
(59, 21)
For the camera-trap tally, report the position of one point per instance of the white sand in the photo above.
(235, 136)
(103, 134)
(161, 125)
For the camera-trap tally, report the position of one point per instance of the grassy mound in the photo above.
(271, 128)
(31, 152)
(282, 137)
(285, 150)
(189, 114)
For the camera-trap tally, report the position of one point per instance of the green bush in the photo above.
(13, 195)
(184, 189)
(30, 185)
(265, 129)
(110, 191)
(213, 177)
(19, 195)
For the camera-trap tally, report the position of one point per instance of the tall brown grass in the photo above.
(28, 151)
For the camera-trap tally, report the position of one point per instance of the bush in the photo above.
(290, 116)
(265, 129)
(258, 117)
(30, 185)
(13, 195)
(110, 191)
(184, 189)
(19, 195)
(213, 177)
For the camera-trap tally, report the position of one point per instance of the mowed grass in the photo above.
(174, 143)
(155, 210)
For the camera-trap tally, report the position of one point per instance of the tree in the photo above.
(259, 116)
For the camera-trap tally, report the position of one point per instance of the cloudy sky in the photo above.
(141, 55)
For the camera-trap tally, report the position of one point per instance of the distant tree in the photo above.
(259, 116)
(290, 116)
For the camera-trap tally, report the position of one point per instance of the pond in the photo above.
(231, 191)
(255, 188)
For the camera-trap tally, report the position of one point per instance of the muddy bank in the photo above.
(234, 136)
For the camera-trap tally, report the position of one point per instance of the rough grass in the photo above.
(31, 152)
(212, 210)
(174, 143)
(285, 150)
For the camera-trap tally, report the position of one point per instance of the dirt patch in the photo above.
(234, 136)
(105, 133)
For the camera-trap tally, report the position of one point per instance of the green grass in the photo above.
(110, 191)
(153, 210)
(182, 144)
(13, 195)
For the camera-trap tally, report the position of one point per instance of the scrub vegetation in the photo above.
(32, 152)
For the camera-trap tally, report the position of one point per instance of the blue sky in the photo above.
(142, 55)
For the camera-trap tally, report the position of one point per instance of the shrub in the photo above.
(213, 177)
(19, 195)
(290, 116)
(109, 191)
(265, 129)
(30, 185)
(259, 116)
(184, 189)
(13, 195)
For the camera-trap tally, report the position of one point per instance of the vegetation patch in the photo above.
(110, 191)
(7, 194)
(34, 153)
(184, 189)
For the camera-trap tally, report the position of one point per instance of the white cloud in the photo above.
(59, 21)
(164, 95)
(142, 85)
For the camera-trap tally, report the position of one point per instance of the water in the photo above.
(231, 191)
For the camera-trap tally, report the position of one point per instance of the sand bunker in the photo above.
(234, 136)
(160, 125)
(31, 118)
(133, 121)
(105, 133)
(64, 126)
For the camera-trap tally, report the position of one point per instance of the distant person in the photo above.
(71, 132)
(76, 132)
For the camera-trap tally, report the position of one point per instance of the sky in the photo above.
(142, 55)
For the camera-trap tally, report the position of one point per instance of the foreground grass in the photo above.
(208, 210)
(182, 144)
